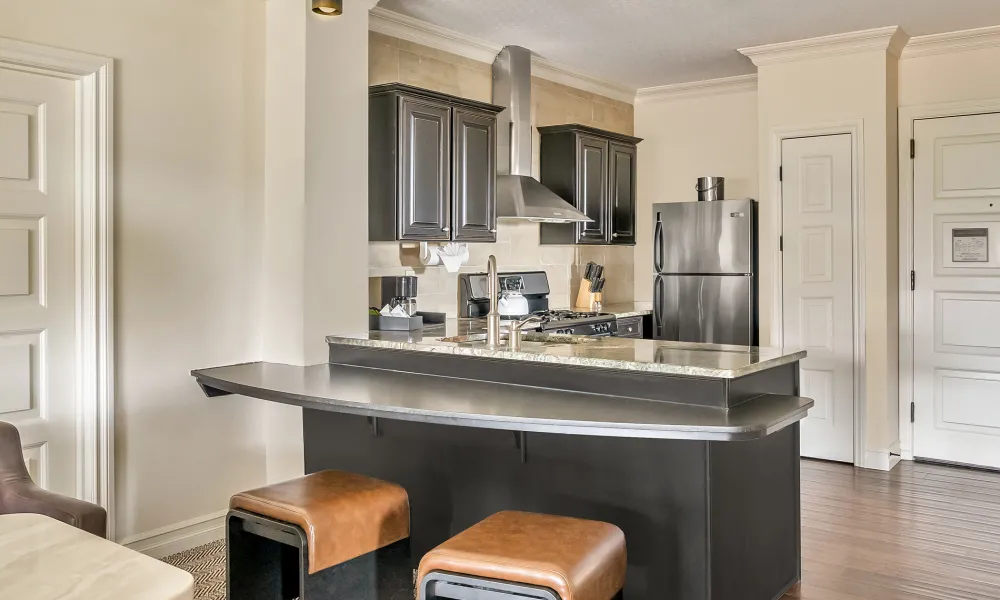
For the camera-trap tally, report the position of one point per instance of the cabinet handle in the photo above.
(494, 230)
(614, 235)
(446, 229)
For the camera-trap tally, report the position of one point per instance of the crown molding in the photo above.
(400, 26)
(891, 39)
(694, 89)
(954, 41)
(546, 69)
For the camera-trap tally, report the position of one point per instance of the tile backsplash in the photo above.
(517, 247)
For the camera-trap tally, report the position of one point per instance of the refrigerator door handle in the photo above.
(657, 306)
(658, 245)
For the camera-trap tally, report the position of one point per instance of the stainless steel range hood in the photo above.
(518, 195)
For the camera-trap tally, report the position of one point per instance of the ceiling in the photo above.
(645, 43)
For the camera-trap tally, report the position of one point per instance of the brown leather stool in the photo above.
(325, 535)
(527, 555)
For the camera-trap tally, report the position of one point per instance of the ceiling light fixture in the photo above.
(328, 8)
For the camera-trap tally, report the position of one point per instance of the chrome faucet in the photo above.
(493, 289)
(515, 330)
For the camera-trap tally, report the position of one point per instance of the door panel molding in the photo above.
(908, 115)
(94, 77)
(879, 458)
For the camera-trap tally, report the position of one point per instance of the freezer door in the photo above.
(704, 237)
(711, 310)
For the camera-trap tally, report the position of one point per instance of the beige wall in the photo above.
(687, 138)
(315, 199)
(517, 247)
(822, 91)
(952, 77)
(188, 78)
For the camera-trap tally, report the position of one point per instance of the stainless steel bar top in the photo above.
(453, 401)
(461, 337)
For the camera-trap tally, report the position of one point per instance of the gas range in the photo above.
(569, 322)
(474, 302)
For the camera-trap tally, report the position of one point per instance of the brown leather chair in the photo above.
(18, 494)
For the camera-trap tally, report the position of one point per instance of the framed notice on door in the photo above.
(970, 245)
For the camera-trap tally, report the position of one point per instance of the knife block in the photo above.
(585, 298)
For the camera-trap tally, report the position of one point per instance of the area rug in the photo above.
(207, 564)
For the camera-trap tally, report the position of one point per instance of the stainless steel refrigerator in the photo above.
(705, 263)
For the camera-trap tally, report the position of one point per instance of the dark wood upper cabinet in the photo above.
(592, 190)
(622, 186)
(474, 209)
(425, 188)
(431, 166)
(595, 171)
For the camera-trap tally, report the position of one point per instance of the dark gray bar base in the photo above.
(703, 520)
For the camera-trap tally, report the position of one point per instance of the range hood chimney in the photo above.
(518, 195)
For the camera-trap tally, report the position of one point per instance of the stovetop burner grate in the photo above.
(569, 315)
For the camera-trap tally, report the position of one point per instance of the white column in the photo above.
(315, 197)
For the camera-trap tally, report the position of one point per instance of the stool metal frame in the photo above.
(268, 559)
(443, 585)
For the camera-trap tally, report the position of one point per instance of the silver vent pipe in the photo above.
(518, 195)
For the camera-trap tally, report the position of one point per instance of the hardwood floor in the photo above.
(919, 532)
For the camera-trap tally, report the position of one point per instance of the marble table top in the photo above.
(45, 559)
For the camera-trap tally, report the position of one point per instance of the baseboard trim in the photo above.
(179, 537)
(880, 460)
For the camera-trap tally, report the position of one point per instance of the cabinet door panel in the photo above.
(425, 166)
(623, 193)
(474, 212)
(592, 190)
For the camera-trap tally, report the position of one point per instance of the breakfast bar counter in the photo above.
(691, 449)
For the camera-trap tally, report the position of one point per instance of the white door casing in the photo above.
(956, 303)
(56, 265)
(818, 286)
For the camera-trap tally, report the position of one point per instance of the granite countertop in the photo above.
(621, 354)
(623, 310)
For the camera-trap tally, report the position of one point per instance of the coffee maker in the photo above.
(397, 290)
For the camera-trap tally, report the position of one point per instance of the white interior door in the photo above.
(37, 272)
(818, 286)
(956, 303)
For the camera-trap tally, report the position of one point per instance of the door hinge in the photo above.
(913, 148)
(781, 243)
(781, 173)
(913, 410)
(913, 280)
